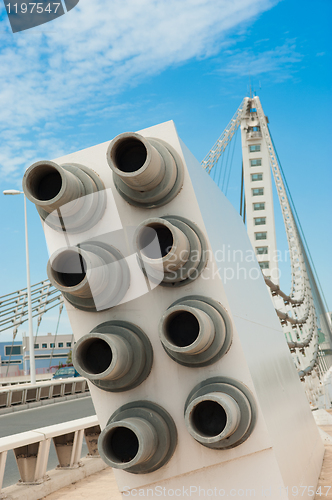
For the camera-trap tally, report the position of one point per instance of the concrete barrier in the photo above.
(31, 449)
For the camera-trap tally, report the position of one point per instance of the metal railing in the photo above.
(31, 449)
(214, 154)
(22, 379)
(254, 135)
(26, 393)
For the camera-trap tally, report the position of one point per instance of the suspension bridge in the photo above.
(302, 310)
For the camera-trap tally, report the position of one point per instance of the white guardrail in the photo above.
(26, 393)
(32, 448)
(23, 379)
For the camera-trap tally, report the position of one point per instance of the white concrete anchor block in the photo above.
(284, 447)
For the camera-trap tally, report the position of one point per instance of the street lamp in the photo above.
(31, 340)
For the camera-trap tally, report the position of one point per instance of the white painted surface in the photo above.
(285, 441)
(43, 433)
(251, 120)
(252, 476)
(292, 430)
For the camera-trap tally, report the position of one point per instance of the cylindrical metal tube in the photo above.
(195, 331)
(68, 197)
(186, 330)
(220, 413)
(212, 418)
(50, 186)
(147, 172)
(93, 277)
(140, 437)
(99, 356)
(128, 442)
(160, 243)
(136, 162)
(78, 272)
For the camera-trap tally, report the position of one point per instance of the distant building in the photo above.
(50, 351)
(11, 353)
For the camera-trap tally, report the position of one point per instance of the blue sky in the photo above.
(109, 66)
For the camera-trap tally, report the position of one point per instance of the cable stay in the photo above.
(214, 154)
(223, 168)
(56, 333)
(14, 306)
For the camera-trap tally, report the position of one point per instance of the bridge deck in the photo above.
(101, 485)
(104, 482)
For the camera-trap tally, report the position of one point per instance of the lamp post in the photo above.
(31, 340)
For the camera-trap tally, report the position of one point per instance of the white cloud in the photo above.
(278, 63)
(94, 52)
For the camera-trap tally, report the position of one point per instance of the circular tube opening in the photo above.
(209, 418)
(130, 155)
(44, 182)
(95, 356)
(121, 445)
(155, 241)
(69, 268)
(182, 329)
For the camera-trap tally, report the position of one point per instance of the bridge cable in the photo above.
(231, 164)
(56, 333)
(242, 185)
(308, 369)
(37, 329)
(226, 166)
(298, 220)
(220, 170)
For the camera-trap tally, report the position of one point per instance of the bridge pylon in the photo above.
(301, 311)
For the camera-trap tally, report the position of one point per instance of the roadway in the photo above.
(28, 420)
